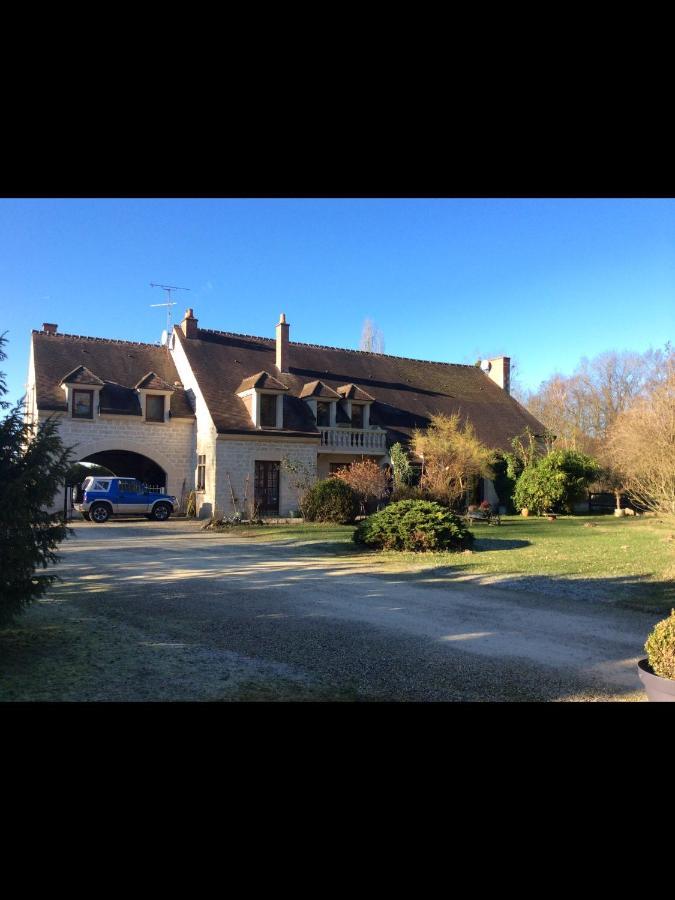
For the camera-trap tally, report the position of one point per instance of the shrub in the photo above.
(660, 647)
(400, 464)
(414, 525)
(555, 481)
(330, 500)
(408, 492)
(366, 479)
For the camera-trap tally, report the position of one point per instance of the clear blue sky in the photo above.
(544, 281)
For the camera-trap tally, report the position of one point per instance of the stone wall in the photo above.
(171, 445)
(237, 457)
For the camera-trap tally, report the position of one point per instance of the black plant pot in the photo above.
(658, 689)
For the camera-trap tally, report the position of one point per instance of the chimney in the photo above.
(49, 327)
(189, 324)
(283, 329)
(500, 372)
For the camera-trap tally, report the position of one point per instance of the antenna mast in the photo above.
(168, 288)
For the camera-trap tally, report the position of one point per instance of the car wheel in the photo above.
(99, 513)
(161, 512)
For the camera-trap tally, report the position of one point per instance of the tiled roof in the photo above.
(118, 364)
(152, 382)
(262, 381)
(81, 375)
(352, 392)
(318, 389)
(406, 392)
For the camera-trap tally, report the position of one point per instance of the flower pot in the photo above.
(658, 689)
(525, 511)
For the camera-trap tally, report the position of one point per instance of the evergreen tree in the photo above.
(33, 465)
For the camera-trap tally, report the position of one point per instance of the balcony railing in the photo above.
(354, 440)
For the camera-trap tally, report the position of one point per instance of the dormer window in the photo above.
(263, 397)
(154, 407)
(82, 389)
(268, 410)
(155, 397)
(83, 404)
(323, 408)
(357, 403)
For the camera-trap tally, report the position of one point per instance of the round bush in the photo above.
(414, 525)
(330, 500)
(660, 647)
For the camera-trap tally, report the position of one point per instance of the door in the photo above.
(267, 487)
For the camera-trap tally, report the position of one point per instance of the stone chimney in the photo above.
(500, 371)
(189, 324)
(283, 329)
(49, 327)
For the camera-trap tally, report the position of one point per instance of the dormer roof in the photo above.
(319, 390)
(152, 382)
(352, 392)
(82, 375)
(261, 381)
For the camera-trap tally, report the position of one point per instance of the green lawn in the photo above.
(630, 561)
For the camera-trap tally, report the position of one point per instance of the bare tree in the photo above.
(580, 409)
(452, 457)
(642, 443)
(372, 338)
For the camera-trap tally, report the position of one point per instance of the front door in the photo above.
(267, 487)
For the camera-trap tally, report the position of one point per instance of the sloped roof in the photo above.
(153, 382)
(81, 375)
(352, 392)
(261, 380)
(405, 392)
(118, 365)
(318, 389)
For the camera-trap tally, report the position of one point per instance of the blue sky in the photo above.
(545, 281)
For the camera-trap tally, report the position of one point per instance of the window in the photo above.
(201, 473)
(357, 416)
(268, 410)
(154, 408)
(83, 404)
(322, 413)
(100, 486)
(129, 487)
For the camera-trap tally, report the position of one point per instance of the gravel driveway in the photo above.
(152, 611)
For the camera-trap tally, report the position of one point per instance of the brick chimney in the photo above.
(189, 324)
(283, 329)
(49, 327)
(500, 372)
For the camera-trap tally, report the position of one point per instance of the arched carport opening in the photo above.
(130, 465)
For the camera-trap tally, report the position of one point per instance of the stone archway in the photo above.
(130, 464)
(97, 451)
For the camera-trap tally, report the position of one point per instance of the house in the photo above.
(219, 413)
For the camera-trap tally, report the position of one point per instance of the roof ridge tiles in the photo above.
(88, 337)
(256, 337)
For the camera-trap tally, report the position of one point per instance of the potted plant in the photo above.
(657, 671)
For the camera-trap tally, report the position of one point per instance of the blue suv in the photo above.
(104, 496)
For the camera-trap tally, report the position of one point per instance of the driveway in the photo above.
(149, 611)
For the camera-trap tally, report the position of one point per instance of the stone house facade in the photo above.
(237, 416)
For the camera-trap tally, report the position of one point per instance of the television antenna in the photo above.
(168, 288)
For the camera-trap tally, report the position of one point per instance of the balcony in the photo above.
(353, 440)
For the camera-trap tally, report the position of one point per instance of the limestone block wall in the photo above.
(206, 434)
(238, 458)
(171, 445)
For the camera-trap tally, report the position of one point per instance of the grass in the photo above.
(629, 561)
